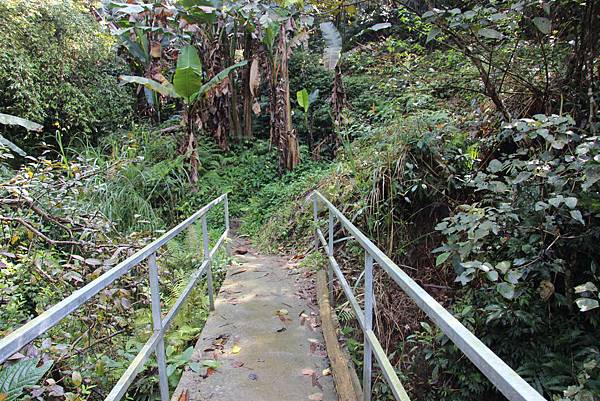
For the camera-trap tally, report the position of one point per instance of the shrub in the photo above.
(58, 68)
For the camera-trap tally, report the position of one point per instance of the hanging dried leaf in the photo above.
(155, 49)
(256, 108)
(254, 78)
(333, 45)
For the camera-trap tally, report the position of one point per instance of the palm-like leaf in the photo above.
(14, 120)
(164, 89)
(217, 79)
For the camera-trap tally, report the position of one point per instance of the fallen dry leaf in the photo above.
(308, 372)
(236, 349)
(184, 396)
(316, 397)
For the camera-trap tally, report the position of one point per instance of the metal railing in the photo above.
(506, 380)
(50, 318)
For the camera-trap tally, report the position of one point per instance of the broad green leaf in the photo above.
(432, 34)
(333, 45)
(135, 49)
(507, 290)
(270, 34)
(165, 90)
(494, 166)
(513, 276)
(14, 120)
(302, 97)
(522, 176)
(589, 286)
(492, 275)
(571, 202)
(195, 367)
(576, 215)
(211, 363)
(441, 258)
(217, 79)
(543, 24)
(490, 33)
(188, 74)
(586, 304)
(16, 377)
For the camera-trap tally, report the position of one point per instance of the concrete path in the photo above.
(263, 341)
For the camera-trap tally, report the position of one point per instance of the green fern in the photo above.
(15, 378)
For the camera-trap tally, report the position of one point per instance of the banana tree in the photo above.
(305, 100)
(145, 31)
(187, 85)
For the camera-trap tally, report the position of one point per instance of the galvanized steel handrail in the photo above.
(20, 337)
(505, 379)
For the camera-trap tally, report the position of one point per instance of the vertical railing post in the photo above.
(163, 381)
(226, 213)
(209, 277)
(330, 253)
(368, 353)
(316, 219)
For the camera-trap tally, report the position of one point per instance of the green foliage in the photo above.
(20, 375)
(307, 74)
(57, 68)
(144, 180)
(188, 75)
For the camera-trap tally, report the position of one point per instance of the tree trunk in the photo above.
(289, 156)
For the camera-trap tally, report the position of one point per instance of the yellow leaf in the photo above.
(3, 396)
(235, 349)
(13, 240)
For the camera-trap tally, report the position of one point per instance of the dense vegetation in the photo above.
(460, 136)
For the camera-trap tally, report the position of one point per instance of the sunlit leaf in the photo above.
(8, 119)
(490, 33)
(188, 74)
(586, 304)
(507, 290)
(165, 90)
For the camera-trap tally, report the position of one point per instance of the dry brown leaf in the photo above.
(256, 108)
(155, 49)
(254, 78)
(184, 396)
